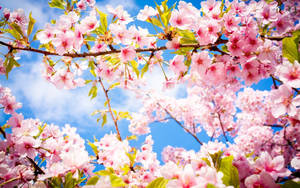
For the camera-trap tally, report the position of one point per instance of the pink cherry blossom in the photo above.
(260, 180)
(177, 64)
(127, 54)
(180, 20)
(64, 42)
(289, 73)
(284, 101)
(46, 35)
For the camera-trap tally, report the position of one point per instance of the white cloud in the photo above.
(128, 5)
(47, 102)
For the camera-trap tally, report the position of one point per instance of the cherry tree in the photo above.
(217, 52)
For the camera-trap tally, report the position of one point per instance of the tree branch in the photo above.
(178, 122)
(219, 117)
(109, 109)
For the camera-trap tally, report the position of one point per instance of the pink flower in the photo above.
(275, 167)
(177, 64)
(120, 13)
(200, 62)
(231, 22)
(46, 35)
(6, 13)
(26, 145)
(81, 5)
(9, 103)
(88, 24)
(146, 13)
(289, 73)
(283, 23)
(18, 16)
(64, 42)
(122, 35)
(174, 44)
(260, 180)
(186, 179)
(63, 79)
(284, 101)
(180, 20)
(268, 12)
(127, 54)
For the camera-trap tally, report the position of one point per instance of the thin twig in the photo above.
(10, 180)
(219, 117)
(273, 77)
(187, 130)
(109, 109)
(3, 132)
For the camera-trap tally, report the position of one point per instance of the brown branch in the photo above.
(111, 51)
(178, 122)
(95, 54)
(295, 89)
(3, 132)
(109, 109)
(219, 117)
(187, 130)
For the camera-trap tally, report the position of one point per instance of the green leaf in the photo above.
(90, 38)
(230, 172)
(210, 186)
(158, 183)
(116, 181)
(104, 120)
(183, 51)
(113, 85)
(16, 28)
(13, 33)
(132, 137)
(93, 92)
(132, 157)
(216, 158)
(144, 69)
(290, 184)
(9, 63)
(103, 19)
(290, 48)
(69, 181)
(57, 4)
(104, 172)
(94, 147)
(188, 37)
(134, 66)
(206, 160)
(56, 182)
(124, 115)
(93, 180)
(155, 21)
(31, 24)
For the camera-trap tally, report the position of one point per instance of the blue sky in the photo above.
(42, 100)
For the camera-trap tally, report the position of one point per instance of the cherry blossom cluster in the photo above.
(217, 52)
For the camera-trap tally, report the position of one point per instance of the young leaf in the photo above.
(103, 19)
(158, 183)
(57, 4)
(290, 48)
(144, 69)
(93, 180)
(94, 147)
(116, 181)
(104, 120)
(31, 24)
(93, 92)
(230, 172)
